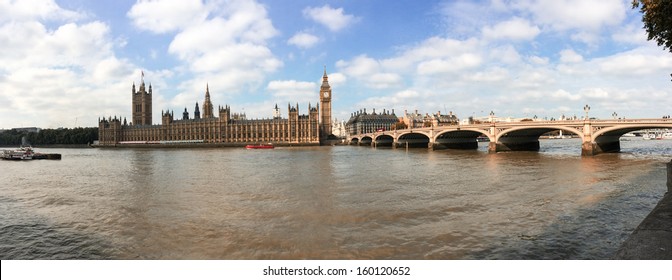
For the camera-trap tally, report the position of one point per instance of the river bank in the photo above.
(53, 146)
(652, 240)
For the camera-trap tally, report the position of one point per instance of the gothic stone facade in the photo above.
(225, 129)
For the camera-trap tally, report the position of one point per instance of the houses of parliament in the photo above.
(225, 129)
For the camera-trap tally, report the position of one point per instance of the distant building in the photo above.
(413, 120)
(362, 122)
(439, 119)
(338, 129)
(416, 120)
(227, 128)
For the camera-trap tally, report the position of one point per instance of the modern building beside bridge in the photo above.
(598, 136)
(361, 122)
(226, 129)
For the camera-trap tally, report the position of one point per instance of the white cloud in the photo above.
(221, 42)
(291, 91)
(570, 56)
(31, 10)
(361, 65)
(632, 33)
(637, 62)
(492, 75)
(369, 71)
(64, 75)
(385, 80)
(303, 40)
(429, 49)
(575, 14)
(452, 64)
(514, 29)
(594, 93)
(563, 94)
(332, 18)
(161, 16)
(292, 88)
(538, 60)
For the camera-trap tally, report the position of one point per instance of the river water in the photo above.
(343, 202)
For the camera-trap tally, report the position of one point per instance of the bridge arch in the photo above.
(458, 138)
(383, 140)
(366, 140)
(620, 130)
(537, 131)
(526, 138)
(607, 139)
(413, 139)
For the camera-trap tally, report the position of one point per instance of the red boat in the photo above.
(260, 146)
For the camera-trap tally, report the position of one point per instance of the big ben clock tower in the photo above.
(325, 107)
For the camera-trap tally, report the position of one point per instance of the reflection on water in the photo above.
(329, 203)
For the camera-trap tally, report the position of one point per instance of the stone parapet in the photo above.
(652, 240)
(669, 176)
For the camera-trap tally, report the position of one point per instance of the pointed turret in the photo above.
(207, 105)
(197, 112)
(325, 79)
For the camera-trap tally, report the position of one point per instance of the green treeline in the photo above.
(62, 136)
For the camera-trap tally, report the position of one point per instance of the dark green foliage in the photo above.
(657, 18)
(64, 136)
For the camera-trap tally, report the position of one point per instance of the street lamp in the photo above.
(492, 116)
(586, 109)
(614, 115)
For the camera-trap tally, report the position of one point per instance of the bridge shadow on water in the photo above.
(594, 227)
(587, 216)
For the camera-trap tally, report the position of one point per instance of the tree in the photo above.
(657, 18)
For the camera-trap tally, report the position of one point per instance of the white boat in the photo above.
(22, 153)
(667, 135)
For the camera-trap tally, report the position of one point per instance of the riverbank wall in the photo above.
(652, 240)
(199, 145)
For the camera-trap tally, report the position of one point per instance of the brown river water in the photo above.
(342, 202)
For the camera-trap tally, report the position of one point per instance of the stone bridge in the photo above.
(599, 136)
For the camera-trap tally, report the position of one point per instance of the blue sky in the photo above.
(66, 63)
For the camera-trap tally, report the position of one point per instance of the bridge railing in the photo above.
(529, 123)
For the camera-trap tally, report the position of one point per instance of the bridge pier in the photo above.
(589, 148)
(506, 144)
(466, 145)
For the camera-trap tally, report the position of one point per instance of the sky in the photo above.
(66, 63)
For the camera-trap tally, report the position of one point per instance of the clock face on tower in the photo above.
(326, 94)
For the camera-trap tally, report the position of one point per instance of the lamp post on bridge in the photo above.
(586, 109)
(614, 115)
(492, 116)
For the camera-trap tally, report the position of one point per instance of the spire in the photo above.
(207, 104)
(325, 79)
(197, 112)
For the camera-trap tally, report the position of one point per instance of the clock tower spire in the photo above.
(325, 107)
